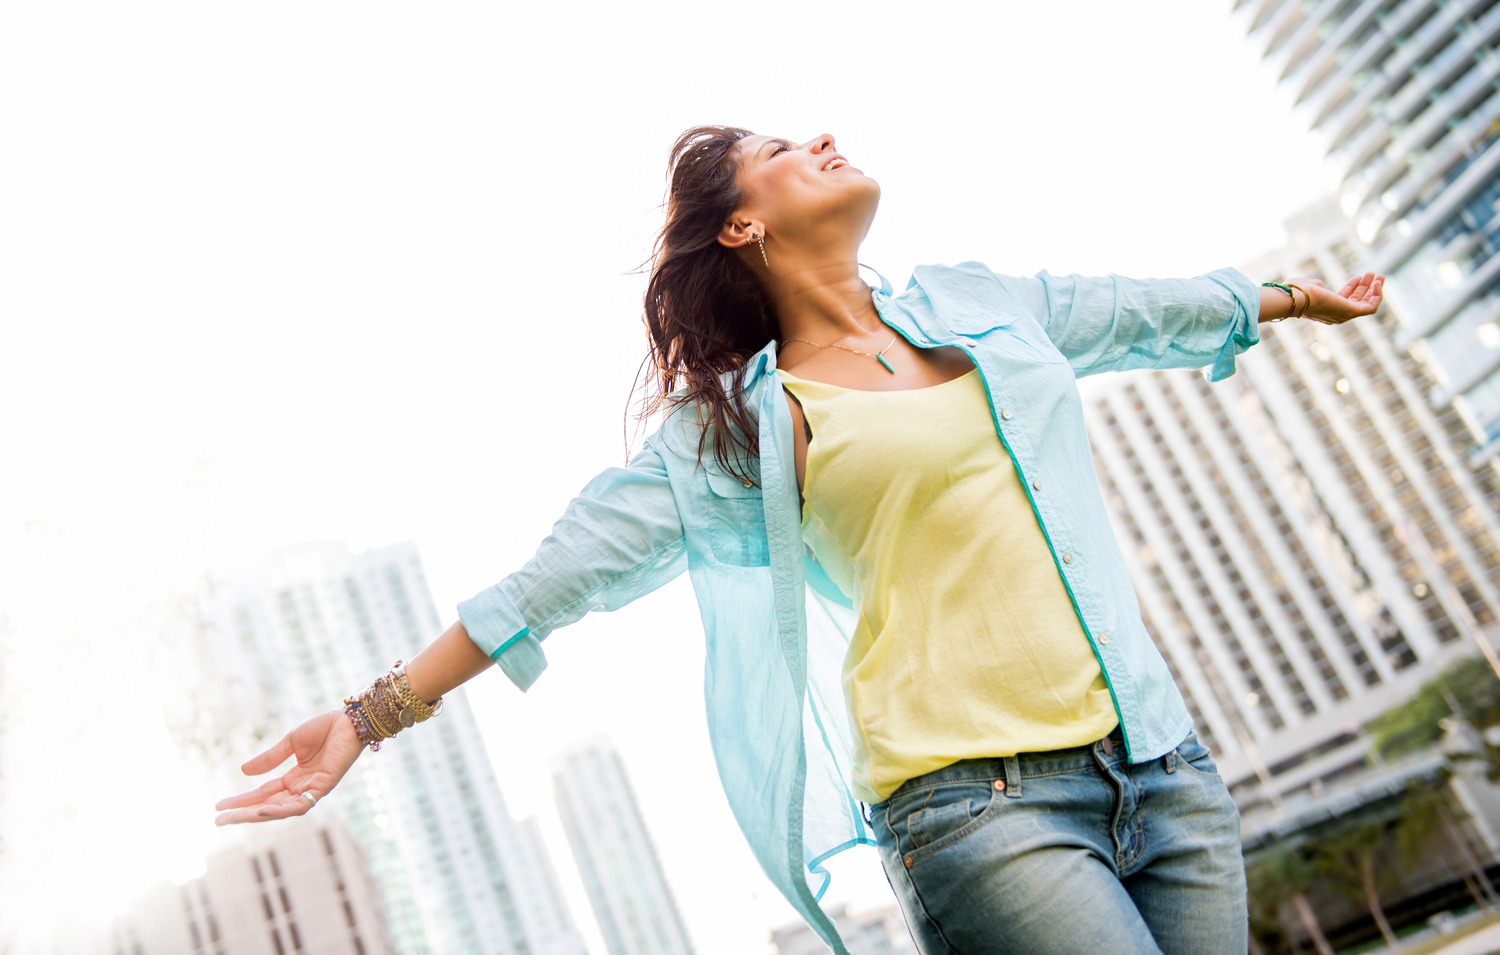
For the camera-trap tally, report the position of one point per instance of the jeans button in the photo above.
(907, 860)
(1000, 785)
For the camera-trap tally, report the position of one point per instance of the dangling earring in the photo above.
(761, 240)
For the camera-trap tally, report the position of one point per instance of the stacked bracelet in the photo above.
(388, 706)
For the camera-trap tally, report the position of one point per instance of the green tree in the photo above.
(1469, 684)
(1353, 861)
(1428, 817)
(1282, 876)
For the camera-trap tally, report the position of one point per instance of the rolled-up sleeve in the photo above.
(1113, 323)
(619, 539)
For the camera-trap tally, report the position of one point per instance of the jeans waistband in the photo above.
(1072, 759)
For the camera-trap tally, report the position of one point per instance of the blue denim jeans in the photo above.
(1067, 852)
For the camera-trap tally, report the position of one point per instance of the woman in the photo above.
(910, 593)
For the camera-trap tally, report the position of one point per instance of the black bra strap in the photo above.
(806, 427)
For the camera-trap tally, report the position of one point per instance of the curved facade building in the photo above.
(1407, 95)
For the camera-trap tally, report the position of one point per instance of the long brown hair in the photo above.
(706, 312)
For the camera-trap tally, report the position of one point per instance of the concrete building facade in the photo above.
(876, 932)
(1307, 539)
(304, 886)
(626, 885)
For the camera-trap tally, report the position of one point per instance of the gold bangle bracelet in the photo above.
(1306, 301)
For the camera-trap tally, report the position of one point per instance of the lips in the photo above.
(837, 162)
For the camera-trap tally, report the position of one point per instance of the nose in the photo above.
(822, 144)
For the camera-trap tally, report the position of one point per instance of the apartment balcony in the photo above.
(1328, 72)
(1264, 10)
(1421, 169)
(1445, 67)
(1303, 38)
(1427, 161)
(1435, 317)
(1350, 117)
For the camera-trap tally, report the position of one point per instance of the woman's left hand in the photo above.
(1360, 296)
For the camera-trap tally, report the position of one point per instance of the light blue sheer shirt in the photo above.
(777, 627)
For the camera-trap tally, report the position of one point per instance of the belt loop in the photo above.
(1169, 762)
(1013, 777)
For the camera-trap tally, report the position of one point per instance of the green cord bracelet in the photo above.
(1288, 291)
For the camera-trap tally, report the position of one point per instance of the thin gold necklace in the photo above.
(877, 355)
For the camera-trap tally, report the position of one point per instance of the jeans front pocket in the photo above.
(931, 818)
(1196, 757)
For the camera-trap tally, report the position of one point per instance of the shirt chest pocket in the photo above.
(737, 521)
(1018, 337)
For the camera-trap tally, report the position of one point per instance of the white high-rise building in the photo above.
(1407, 95)
(624, 879)
(315, 623)
(553, 916)
(1306, 538)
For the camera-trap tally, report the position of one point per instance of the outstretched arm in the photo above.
(620, 538)
(1113, 323)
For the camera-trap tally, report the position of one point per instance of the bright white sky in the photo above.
(278, 272)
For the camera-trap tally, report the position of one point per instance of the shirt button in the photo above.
(1006, 414)
(1036, 485)
(1067, 558)
(1104, 638)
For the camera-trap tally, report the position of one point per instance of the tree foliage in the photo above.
(1416, 723)
(1279, 880)
(1356, 861)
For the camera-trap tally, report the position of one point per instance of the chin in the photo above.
(869, 194)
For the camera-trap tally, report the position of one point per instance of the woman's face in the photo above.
(803, 190)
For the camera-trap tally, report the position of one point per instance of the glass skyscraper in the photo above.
(315, 623)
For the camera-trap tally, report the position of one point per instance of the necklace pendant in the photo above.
(885, 364)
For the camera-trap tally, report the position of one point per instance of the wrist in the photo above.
(386, 707)
(1277, 302)
(1282, 300)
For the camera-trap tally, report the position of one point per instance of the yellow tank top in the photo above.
(967, 644)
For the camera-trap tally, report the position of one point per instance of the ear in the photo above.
(738, 230)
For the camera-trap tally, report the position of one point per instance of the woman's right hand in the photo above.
(325, 747)
(1360, 295)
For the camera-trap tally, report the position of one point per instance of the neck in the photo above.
(823, 303)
